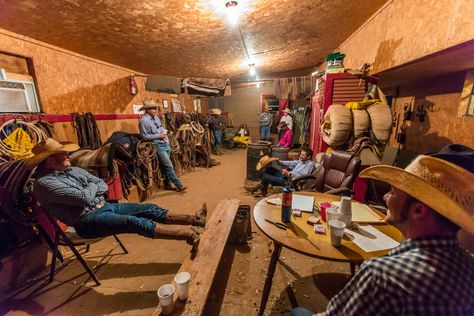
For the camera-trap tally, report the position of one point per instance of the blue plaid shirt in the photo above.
(150, 129)
(422, 276)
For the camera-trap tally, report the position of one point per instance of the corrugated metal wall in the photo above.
(244, 104)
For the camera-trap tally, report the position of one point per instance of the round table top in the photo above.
(300, 235)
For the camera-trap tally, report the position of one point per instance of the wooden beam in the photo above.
(204, 266)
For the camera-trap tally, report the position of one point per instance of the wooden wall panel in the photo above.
(442, 125)
(404, 30)
(68, 82)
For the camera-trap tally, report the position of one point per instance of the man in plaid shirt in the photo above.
(429, 273)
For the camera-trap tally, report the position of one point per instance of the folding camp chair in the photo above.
(71, 239)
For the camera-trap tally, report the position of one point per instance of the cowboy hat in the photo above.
(216, 111)
(287, 110)
(443, 186)
(150, 104)
(46, 148)
(265, 160)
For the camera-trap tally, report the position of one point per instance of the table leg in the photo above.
(269, 280)
(353, 268)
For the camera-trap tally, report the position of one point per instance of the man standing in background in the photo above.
(265, 119)
(152, 130)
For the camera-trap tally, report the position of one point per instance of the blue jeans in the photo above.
(166, 166)
(300, 311)
(265, 132)
(273, 176)
(115, 218)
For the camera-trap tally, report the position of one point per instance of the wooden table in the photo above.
(301, 238)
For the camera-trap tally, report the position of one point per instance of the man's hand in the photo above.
(162, 135)
(285, 172)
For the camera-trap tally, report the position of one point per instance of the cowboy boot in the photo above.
(199, 219)
(189, 234)
(262, 193)
(169, 187)
(253, 189)
(181, 188)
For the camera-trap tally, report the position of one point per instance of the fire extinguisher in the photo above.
(133, 86)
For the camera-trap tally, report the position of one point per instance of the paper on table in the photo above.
(362, 213)
(370, 239)
(274, 201)
(302, 202)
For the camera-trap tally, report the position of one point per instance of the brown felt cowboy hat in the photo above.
(443, 186)
(264, 161)
(150, 104)
(46, 148)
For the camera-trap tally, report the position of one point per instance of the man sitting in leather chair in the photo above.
(275, 177)
(76, 197)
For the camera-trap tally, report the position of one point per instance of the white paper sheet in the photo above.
(362, 213)
(302, 202)
(370, 239)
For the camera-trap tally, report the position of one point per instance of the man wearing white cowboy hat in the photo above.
(273, 176)
(429, 273)
(286, 117)
(214, 123)
(76, 198)
(152, 130)
(265, 119)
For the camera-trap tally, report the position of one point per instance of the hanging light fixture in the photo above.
(252, 71)
(232, 12)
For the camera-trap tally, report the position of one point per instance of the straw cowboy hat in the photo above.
(46, 148)
(216, 111)
(443, 186)
(264, 161)
(150, 104)
(287, 110)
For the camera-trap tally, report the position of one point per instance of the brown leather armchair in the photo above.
(335, 176)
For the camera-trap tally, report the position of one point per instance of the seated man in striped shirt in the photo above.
(76, 198)
(429, 273)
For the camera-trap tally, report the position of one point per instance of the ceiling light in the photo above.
(232, 12)
(252, 70)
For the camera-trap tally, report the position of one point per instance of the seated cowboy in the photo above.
(286, 139)
(275, 177)
(76, 197)
(242, 135)
(429, 273)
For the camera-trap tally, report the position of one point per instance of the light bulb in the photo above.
(252, 71)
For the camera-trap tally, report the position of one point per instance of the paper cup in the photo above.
(332, 213)
(166, 297)
(322, 210)
(346, 207)
(336, 230)
(182, 285)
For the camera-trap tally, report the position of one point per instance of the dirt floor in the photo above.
(129, 282)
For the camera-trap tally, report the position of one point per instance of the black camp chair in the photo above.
(71, 239)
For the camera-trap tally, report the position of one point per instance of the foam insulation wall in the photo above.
(69, 82)
(404, 30)
(244, 103)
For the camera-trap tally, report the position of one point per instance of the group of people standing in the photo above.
(285, 127)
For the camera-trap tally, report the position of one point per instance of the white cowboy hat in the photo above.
(264, 161)
(216, 111)
(443, 186)
(150, 104)
(46, 148)
(287, 110)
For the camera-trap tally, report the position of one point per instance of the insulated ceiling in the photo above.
(187, 37)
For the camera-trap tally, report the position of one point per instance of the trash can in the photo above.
(255, 151)
(280, 152)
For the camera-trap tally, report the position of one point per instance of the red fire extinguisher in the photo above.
(133, 86)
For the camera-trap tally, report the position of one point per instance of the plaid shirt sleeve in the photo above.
(363, 295)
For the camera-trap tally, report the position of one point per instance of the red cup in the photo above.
(322, 209)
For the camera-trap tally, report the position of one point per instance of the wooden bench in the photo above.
(204, 266)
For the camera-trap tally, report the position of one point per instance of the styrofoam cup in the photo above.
(166, 297)
(336, 230)
(332, 213)
(346, 207)
(182, 285)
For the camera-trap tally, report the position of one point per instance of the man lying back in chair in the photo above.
(273, 176)
(76, 198)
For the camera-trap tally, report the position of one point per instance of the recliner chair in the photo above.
(335, 176)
